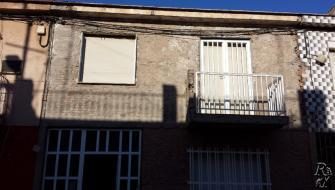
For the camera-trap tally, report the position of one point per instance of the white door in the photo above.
(225, 87)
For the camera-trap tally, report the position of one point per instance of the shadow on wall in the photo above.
(17, 94)
(16, 142)
(15, 102)
(101, 108)
(313, 106)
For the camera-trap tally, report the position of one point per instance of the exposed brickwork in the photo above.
(165, 160)
(162, 60)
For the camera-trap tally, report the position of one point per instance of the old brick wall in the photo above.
(163, 59)
(165, 164)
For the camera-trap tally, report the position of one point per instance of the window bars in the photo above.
(72, 155)
(325, 142)
(216, 169)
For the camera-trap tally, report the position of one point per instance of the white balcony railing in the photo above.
(3, 97)
(240, 94)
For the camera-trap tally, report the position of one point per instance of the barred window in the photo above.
(325, 143)
(87, 159)
(228, 169)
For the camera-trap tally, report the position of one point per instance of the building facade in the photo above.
(161, 98)
(317, 54)
(24, 55)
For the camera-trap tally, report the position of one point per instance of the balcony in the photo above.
(239, 98)
(3, 97)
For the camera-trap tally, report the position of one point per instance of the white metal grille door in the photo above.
(221, 169)
(219, 90)
(92, 159)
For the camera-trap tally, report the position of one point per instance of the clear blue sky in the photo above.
(297, 6)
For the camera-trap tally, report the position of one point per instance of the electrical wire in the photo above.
(164, 29)
(175, 30)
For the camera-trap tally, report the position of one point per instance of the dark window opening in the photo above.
(11, 66)
(100, 172)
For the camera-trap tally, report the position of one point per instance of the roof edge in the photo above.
(62, 3)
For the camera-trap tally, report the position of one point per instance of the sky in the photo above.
(295, 6)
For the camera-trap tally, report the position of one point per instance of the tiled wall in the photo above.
(318, 90)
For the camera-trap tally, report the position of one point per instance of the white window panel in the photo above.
(108, 60)
(228, 169)
(85, 159)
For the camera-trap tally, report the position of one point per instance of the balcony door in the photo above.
(226, 87)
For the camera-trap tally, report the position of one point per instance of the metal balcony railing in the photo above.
(3, 97)
(239, 94)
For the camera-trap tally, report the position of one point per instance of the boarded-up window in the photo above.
(108, 60)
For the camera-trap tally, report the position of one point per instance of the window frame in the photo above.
(229, 168)
(82, 152)
(82, 57)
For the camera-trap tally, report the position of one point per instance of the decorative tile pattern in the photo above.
(318, 95)
(318, 20)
